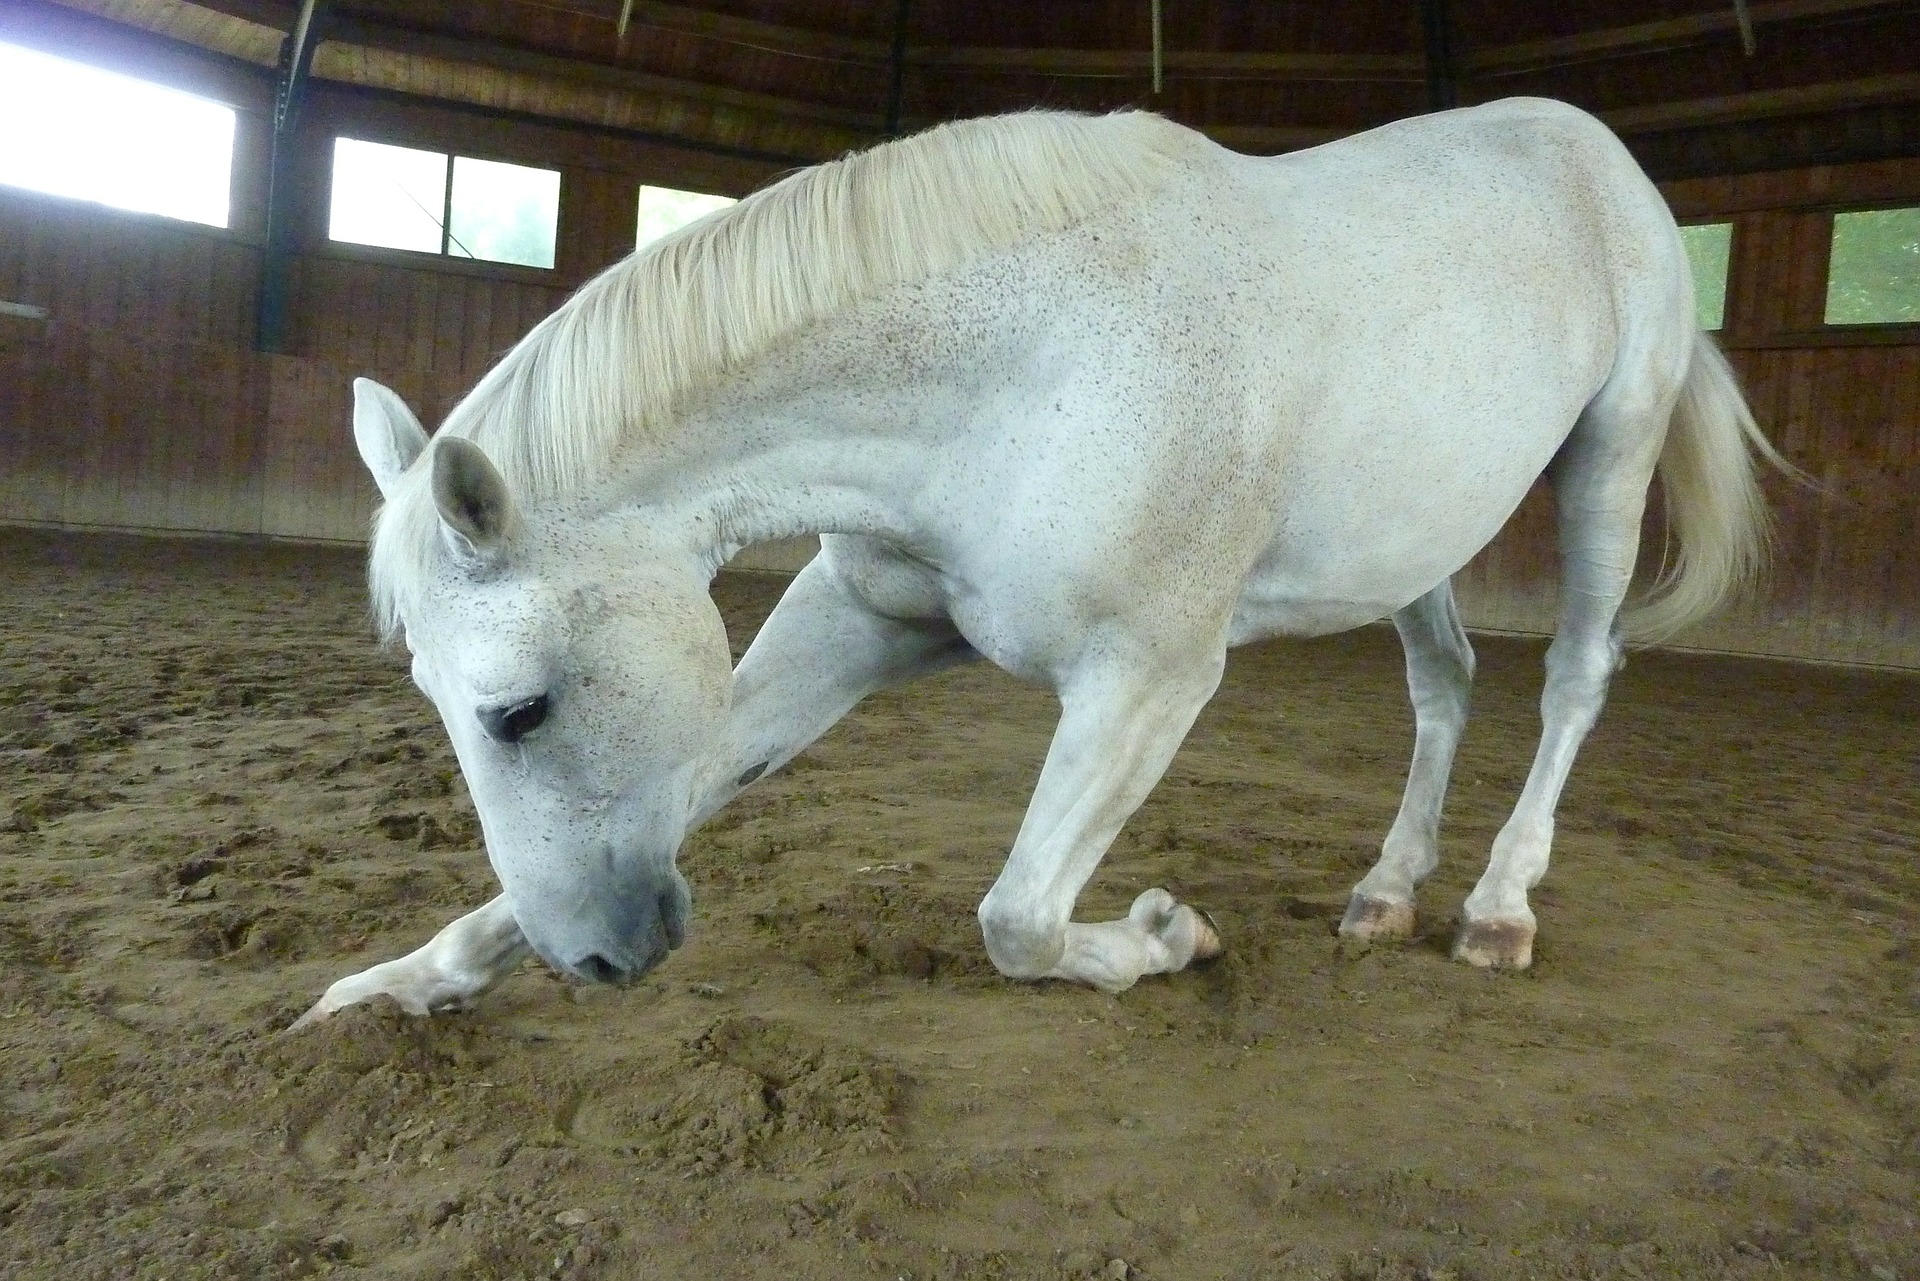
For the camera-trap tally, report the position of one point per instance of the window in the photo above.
(1873, 274)
(430, 202)
(663, 209)
(73, 130)
(1708, 246)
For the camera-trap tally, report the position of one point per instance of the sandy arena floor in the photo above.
(217, 795)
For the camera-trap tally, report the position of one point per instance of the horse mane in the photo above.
(608, 368)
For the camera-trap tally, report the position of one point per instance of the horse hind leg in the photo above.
(1600, 489)
(1439, 681)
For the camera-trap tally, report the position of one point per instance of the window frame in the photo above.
(1805, 327)
(421, 259)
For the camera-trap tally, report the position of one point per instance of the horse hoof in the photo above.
(1372, 920)
(1495, 945)
(319, 1012)
(1206, 936)
(1166, 918)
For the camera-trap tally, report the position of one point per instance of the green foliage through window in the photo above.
(1873, 277)
(1708, 248)
(665, 209)
(503, 213)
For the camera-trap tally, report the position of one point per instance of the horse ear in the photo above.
(472, 496)
(388, 434)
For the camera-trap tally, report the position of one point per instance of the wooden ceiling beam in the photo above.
(809, 43)
(1198, 63)
(427, 66)
(460, 49)
(431, 65)
(806, 42)
(686, 114)
(175, 17)
(1271, 140)
(214, 28)
(1800, 100)
(1651, 37)
(1492, 61)
(219, 24)
(767, 37)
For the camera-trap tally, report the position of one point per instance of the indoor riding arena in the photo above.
(220, 793)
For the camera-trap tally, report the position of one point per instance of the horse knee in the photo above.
(1589, 658)
(1443, 698)
(1440, 678)
(1579, 670)
(1020, 944)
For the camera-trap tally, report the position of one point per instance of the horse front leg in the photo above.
(455, 967)
(821, 651)
(1119, 727)
(1439, 681)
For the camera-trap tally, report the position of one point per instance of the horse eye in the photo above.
(511, 724)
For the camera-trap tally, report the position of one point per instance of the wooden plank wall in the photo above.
(145, 406)
(150, 335)
(1841, 404)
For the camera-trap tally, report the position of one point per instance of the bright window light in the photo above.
(503, 213)
(1873, 276)
(1708, 247)
(663, 209)
(74, 130)
(393, 197)
(399, 198)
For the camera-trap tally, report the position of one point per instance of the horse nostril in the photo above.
(599, 969)
(672, 920)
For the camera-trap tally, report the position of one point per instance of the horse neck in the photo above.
(830, 435)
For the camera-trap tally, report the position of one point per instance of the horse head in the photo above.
(583, 681)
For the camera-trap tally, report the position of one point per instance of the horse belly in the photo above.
(1343, 556)
(1266, 610)
(1278, 600)
(1285, 596)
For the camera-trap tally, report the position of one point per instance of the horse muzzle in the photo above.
(634, 934)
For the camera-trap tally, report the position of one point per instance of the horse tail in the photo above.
(1715, 510)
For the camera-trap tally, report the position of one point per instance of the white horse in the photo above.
(1094, 399)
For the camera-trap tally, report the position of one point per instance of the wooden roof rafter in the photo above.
(576, 69)
(354, 52)
(1655, 37)
(1628, 40)
(460, 49)
(763, 37)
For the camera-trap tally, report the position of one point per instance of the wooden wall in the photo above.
(145, 406)
(1843, 404)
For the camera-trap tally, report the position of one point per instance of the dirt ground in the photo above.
(217, 795)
